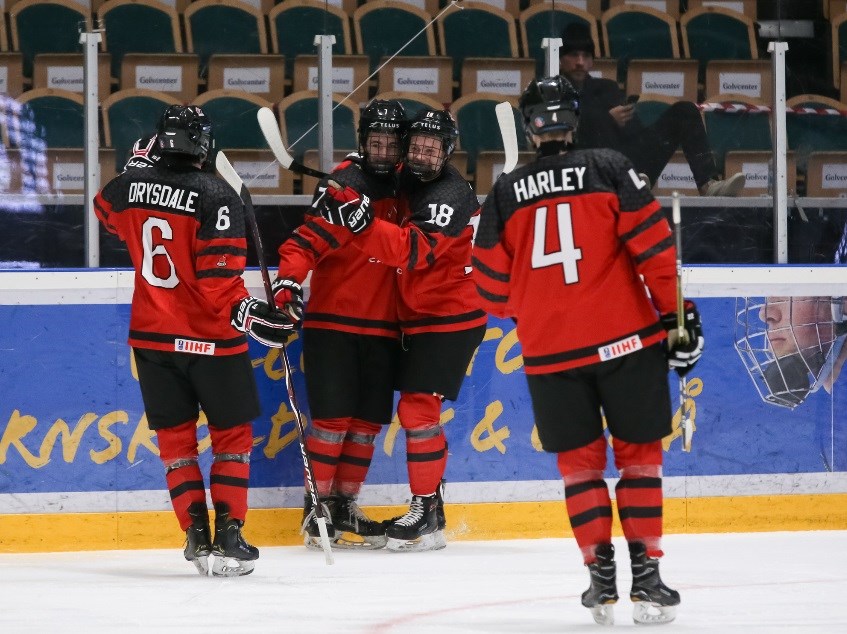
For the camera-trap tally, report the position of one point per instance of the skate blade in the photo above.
(354, 541)
(647, 613)
(231, 567)
(202, 564)
(603, 614)
(432, 541)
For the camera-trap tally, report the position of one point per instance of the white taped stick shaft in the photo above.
(506, 121)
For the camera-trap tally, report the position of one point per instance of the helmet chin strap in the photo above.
(551, 148)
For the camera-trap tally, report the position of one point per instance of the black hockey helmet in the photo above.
(550, 104)
(381, 115)
(435, 123)
(185, 131)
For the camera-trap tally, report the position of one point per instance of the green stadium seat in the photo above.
(294, 24)
(130, 114)
(46, 26)
(298, 115)
(546, 20)
(59, 116)
(478, 128)
(714, 33)
(383, 27)
(477, 30)
(226, 27)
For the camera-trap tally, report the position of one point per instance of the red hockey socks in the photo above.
(324, 444)
(230, 474)
(178, 452)
(356, 455)
(639, 492)
(587, 496)
(426, 446)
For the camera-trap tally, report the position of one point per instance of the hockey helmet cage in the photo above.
(436, 123)
(185, 131)
(550, 104)
(380, 115)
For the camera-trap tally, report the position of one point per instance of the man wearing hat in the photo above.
(606, 120)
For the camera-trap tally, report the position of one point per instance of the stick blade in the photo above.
(506, 121)
(270, 130)
(227, 171)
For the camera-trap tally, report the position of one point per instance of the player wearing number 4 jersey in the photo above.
(185, 232)
(563, 246)
(439, 311)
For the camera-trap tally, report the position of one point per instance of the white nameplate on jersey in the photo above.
(677, 176)
(416, 79)
(163, 78)
(257, 173)
(65, 77)
(503, 82)
(194, 347)
(620, 348)
(670, 84)
(342, 79)
(250, 79)
(747, 84)
(68, 176)
(162, 196)
(4, 80)
(567, 179)
(834, 176)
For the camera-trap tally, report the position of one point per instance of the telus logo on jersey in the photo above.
(567, 179)
(163, 196)
(620, 348)
(194, 347)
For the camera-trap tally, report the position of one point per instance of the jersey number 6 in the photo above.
(567, 255)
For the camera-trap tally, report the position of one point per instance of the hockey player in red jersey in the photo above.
(439, 312)
(350, 333)
(185, 232)
(562, 247)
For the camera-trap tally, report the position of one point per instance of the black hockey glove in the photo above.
(341, 205)
(288, 296)
(266, 324)
(682, 357)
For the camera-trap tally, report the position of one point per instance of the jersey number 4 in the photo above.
(568, 255)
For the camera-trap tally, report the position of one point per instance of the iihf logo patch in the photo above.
(180, 345)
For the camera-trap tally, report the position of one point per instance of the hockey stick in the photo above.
(685, 422)
(231, 176)
(270, 130)
(506, 121)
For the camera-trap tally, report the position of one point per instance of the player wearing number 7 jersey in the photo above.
(185, 232)
(439, 311)
(563, 246)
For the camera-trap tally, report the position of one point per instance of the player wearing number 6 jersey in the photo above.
(563, 246)
(185, 232)
(440, 315)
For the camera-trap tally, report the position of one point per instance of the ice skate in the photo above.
(417, 530)
(309, 529)
(354, 529)
(198, 542)
(234, 557)
(602, 594)
(653, 601)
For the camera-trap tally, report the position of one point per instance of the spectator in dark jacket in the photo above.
(606, 120)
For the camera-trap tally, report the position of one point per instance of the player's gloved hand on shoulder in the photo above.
(288, 296)
(683, 356)
(266, 324)
(344, 206)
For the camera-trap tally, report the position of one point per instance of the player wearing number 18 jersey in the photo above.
(185, 232)
(440, 315)
(563, 246)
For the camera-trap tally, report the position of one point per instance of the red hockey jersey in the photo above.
(185, 233)
(431, 250)
(349, 290)
(563, 246)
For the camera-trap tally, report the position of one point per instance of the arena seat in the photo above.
(46, 26)
(383, 27)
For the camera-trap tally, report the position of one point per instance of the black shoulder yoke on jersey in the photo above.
(192, 193)
(444, 205)
(349, 173)
(572, 174)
